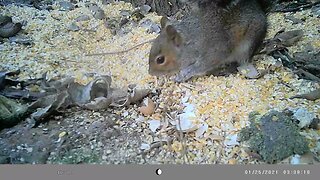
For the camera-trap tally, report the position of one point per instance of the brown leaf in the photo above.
(312, 96)
(149, 107)
(8, 82)
(289, 38)
(122, 98)
(47, 105)
(98, 103)
(282, 40)
(81, 94)
(138, 95)
(119, 98)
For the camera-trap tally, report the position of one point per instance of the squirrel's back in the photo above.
(217, 32)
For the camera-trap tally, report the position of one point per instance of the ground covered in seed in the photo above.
(220, 105)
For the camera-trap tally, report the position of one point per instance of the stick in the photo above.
(312, 96)
(296, 8)
(119, 52)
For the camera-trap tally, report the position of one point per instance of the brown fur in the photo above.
(209, 38)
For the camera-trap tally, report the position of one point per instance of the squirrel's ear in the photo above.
(164, 20)
(173, 35)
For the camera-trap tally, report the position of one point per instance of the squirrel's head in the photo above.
(164, 50)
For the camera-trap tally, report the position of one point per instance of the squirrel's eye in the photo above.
(160, 60)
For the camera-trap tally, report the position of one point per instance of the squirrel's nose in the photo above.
(150, 72)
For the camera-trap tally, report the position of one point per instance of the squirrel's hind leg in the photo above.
(252, 39)
(247, 45)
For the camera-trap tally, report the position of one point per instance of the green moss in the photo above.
(78, 156)
(11, 112)
(274, 136)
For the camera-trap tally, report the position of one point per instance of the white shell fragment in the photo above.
(215, 108)
(188, 108)
(145, 146)
(231, 140)
(185, 99)
(304, 117)
(185, 122)
(154, 125)
(248, 70)
(202, 129)
(295, 159)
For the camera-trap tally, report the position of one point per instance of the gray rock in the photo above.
(97, 12)
(21, 40)
(145, 9)
(66, 6)
(125, 13)
(304, 117)
(150, 26)
(316, 10)
(82, 18)
(73, 27)
(10, 29)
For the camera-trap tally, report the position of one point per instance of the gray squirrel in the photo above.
(217, 32)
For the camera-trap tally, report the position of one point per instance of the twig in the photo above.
(310, 66)
(184, 144)
(297, 8)
(119, 52)
(308, 75)
(189, 86)
(312, 96)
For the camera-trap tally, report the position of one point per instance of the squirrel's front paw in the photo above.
(184, 75)
(179, 78)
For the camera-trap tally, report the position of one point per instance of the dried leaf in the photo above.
(121, 98)
(282, 40)
(289, 38)
(84, 94)
(8, 82)
(312, 96)
(11, 112)
(138, 95)
(53, 102)
(98, 103)
(149, 107)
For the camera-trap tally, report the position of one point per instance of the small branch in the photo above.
(119, 52)
(308, 75)
(312, 96)
(297, 8)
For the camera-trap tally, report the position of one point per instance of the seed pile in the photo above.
(219, 105)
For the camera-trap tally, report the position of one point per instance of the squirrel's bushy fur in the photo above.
(217, 32)
(265, 4)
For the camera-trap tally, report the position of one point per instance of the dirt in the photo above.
(90, 137)
(117, 136)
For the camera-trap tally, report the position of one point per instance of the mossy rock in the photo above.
(78, 156)
(274, 136)
(11, 112)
